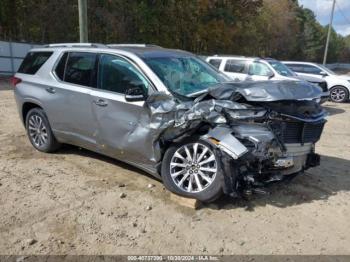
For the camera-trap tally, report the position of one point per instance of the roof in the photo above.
(140, 50)
(299, 62)
(153, 51)
(250, 58)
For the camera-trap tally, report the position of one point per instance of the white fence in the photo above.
(11, 56)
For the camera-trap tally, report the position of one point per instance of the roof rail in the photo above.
(132, 45)
(76, 45)
(221, 55)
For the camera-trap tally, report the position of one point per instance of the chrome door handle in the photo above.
(51, 90)
(101, 102)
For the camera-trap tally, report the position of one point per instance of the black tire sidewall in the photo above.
(346, 94)
(209, 194)
(51, 144)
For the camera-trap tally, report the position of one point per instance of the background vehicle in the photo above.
(338, 85)
(170, 114)
(258, 69)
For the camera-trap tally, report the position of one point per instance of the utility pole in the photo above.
(328, 35)
(83, 27)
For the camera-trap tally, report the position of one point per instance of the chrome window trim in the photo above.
(63, 51)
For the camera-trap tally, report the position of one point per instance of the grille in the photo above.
(299, 132)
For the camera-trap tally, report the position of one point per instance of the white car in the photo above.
(338, 85)
(241, 68)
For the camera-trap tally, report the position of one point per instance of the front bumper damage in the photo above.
(260, 162)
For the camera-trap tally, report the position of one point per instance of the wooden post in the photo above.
(184, 201)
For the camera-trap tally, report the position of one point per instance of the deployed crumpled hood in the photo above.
(266, 91)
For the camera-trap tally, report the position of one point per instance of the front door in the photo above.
(120, 133)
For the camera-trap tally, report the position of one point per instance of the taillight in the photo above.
(15, 80)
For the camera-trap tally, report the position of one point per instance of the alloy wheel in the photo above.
(193, 167)
(338, 94)
(37, 131)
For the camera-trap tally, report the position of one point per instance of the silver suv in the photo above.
(169, 113)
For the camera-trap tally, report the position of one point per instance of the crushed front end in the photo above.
(278, 139)
(262, 131)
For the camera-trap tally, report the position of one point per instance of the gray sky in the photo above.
(322, 10)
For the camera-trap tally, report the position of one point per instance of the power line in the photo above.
(341, 12)
(328, 35)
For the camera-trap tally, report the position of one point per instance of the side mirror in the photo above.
(323, 73)
(270, 75)
(135, 93)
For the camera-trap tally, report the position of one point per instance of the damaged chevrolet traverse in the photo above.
(170, 114)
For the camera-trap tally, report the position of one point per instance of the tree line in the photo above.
(268, 28)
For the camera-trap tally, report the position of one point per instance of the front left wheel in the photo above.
(39, 131)
(193, 169)
(339, 94)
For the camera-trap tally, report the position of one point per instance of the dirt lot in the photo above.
(69, 203)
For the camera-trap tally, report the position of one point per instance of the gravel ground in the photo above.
(70, 202)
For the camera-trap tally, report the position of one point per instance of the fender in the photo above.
(222, 138)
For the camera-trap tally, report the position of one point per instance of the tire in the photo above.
(39, 131)
(339, 94)
(210, 188)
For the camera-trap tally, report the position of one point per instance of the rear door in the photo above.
(120, 133)
(69, 104)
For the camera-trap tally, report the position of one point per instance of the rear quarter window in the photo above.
(33, 62)
(296, 67)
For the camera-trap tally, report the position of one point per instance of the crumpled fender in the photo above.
(222, 138)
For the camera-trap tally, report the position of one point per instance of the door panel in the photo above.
(70, 114)
(117, 119)
(122, 131)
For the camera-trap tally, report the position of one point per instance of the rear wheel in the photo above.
(339, 94)
(39, 131)
(192, 169)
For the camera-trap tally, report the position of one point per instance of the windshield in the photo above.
(281, 68)
(185, 75)
(326, 69)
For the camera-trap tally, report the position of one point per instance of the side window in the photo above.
(296, 67)
(61, 66)
(259, 69)
(80, 68)
(33, 61)
(309, 69)
(117, 75)
(235, 66)
(215, 62)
